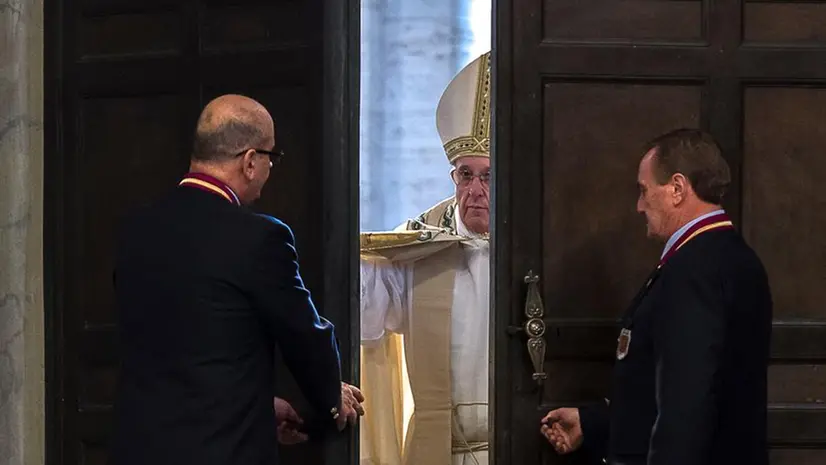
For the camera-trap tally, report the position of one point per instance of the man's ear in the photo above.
(248, 163)
(680, 188)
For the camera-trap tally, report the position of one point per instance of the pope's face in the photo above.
(472, 178)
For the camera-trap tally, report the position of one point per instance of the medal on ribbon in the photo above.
(623, 343)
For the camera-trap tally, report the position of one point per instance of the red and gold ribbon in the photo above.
(208, 183)
(719, 221)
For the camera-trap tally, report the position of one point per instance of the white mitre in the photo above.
(463, 114)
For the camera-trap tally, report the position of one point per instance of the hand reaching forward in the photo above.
(561, 427)
(351, 408)
(288, 422)
(289, 435)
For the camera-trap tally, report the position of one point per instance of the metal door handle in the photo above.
(535, 327)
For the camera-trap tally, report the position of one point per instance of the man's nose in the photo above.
(476, 183)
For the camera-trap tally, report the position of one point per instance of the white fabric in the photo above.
(454, 113)
(467, 459)
(386, 299)
(470, 319)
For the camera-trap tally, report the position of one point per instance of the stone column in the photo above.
(410, 50)
(21, 233)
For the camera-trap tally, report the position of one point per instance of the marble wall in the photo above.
(410, 50)
(21, 232)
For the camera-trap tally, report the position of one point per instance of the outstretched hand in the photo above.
(562, 429)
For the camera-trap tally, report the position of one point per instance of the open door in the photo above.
(125, 82)
(579, 87)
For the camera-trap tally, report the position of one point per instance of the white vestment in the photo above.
(386, 302)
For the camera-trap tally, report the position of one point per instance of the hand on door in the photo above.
(351, 408)
(561, 427)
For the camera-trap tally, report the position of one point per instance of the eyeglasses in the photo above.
(464, 177)
(275, 155)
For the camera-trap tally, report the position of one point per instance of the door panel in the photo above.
(782, 203)
(797, 457)
(125, 83)
(789, 23)
(622, 20)
(578, 91)
(601, 226)
(783, 219)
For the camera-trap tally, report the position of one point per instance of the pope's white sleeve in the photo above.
(386, 296)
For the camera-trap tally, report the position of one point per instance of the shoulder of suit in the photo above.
(712, 252)
(273, 220)
(276, 224)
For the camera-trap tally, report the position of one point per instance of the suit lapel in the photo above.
(628, 317)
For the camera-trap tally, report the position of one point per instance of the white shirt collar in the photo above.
(685, 228)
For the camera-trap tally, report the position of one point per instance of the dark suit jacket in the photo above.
(692, 388)
(205, 290)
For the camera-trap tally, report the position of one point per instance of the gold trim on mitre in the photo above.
(464, 112)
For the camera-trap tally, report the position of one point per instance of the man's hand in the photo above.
(285, 412)
(351, 408)
(289, 435)
(288, 421)
(562, 429)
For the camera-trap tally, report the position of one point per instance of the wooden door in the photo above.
(125, 81)
(579, 87)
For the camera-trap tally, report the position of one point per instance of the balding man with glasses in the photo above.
(205, 290)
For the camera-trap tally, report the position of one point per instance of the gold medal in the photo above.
(623, 343)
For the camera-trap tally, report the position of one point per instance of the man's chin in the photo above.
(650, 233)
(477, 212)
(477, 220)
(477, 227)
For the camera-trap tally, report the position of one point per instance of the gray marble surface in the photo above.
(410, 50)
(21, 219)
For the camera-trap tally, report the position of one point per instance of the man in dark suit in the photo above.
(205, 290)
(689, 384)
